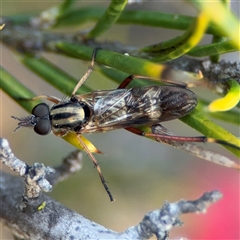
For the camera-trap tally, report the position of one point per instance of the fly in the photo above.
(101, 111)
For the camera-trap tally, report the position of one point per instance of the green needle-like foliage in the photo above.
(124, 65)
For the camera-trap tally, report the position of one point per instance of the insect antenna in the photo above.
(96, 164)
(28, 121)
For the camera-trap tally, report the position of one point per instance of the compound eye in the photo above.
(43, 124)
(43, 127)
(41, 110)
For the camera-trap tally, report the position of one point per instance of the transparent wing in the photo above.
(137, 106)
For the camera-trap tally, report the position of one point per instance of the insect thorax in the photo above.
(69, 116)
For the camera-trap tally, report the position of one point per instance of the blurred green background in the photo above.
(141, 174)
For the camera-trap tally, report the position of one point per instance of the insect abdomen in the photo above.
(176, 102)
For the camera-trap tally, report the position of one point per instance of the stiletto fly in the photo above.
(101, 111)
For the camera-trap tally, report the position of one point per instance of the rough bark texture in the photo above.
(38, 216)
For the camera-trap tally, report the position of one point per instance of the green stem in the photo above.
(212, 49)
(52, 74)
(16, 90)
(110, 16)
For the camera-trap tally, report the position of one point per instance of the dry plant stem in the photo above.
(33, 176)
(216, 75)
(159, 222)
(71, 163)
(39, 178)
(193, 149)
(55, 221)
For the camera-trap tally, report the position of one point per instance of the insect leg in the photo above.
(129, 79)
(94, 160)
(126, 81)
(87, 74)
(180, 138)
(49, 98)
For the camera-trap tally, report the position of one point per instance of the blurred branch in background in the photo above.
(37, 216)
